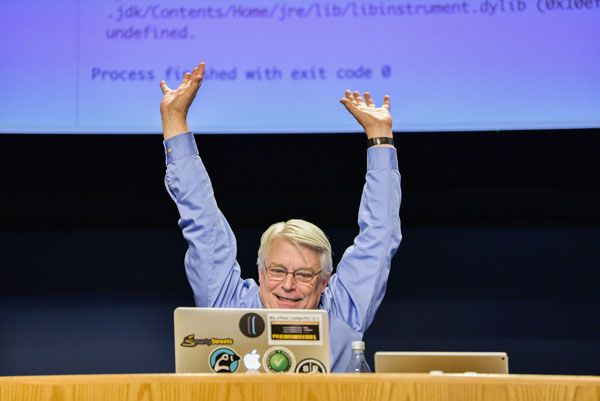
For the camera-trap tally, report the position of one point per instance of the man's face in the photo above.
(288, 293)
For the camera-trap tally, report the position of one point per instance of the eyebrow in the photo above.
(285, 267)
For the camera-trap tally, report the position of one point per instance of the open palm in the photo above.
(373, 119)
(179, 100)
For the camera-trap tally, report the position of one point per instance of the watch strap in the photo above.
(381, 140)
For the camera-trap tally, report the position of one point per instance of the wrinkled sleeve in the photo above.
(358, 287)
(210, 261)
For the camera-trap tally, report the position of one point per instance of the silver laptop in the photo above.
(444, 362)
(227, 340)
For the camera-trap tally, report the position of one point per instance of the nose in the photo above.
(289, 282)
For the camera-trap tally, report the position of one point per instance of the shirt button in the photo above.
(169, 150)
(169, 183)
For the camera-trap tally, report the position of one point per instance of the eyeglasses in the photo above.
(303, 276)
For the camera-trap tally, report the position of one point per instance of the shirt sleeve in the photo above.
(210, 261)
(357, 289)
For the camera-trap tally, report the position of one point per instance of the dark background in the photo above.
(500, 249)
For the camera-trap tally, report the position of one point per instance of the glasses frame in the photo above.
(314, 274)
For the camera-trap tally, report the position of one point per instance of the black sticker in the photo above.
(252, 325)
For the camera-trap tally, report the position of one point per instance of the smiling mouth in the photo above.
(287, 299)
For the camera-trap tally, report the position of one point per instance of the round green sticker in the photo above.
(279, 362)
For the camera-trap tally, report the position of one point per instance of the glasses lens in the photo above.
(277, 273)
(301, 276)
(304, 276)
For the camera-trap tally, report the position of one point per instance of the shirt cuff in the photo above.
(179, 146)
(382, 158)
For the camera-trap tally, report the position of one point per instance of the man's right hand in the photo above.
(376, 121)
(176, 102)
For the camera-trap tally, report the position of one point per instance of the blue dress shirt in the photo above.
(354, 292)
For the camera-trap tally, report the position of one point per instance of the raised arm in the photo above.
(176, 102)
(210, 260)
(357, 289)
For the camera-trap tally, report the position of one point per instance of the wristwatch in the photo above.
(381, 140)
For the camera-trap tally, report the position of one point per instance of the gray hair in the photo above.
(299, 232)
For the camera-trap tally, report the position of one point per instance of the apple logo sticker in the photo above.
(252, 362)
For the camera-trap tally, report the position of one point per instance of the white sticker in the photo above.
(295, 329)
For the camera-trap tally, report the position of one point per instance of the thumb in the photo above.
(164, 87)
(349, 106)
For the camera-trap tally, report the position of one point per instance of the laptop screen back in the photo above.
(446, 362)
(228, 340)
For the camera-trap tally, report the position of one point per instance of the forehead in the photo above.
(285, 253)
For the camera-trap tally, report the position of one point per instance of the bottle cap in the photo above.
(358, 345)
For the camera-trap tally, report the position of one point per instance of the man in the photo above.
(294, 259)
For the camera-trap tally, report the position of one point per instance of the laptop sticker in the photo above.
(252, 325)
(224, 360)
(252, 361)
(279, 360)
(292, 329)
(310, 365)
(190, 341)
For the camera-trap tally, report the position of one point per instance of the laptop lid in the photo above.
(446, 362)
(231, 340)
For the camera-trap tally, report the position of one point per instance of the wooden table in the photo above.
(332, 387)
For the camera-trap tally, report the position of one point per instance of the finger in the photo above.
(358, 98)
(198, 74)
(186, 78)
(369, 100)
(386, 102)
(352, 109)
(349, 104)
(350, 97)
(185, 81)
(201, 69)
(164, 87)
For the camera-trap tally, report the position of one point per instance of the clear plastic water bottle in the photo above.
(358, 364)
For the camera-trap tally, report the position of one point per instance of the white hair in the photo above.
(299, 232)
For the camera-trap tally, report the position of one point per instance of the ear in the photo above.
(325, 282)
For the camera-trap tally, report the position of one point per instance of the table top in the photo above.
(375, 386)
